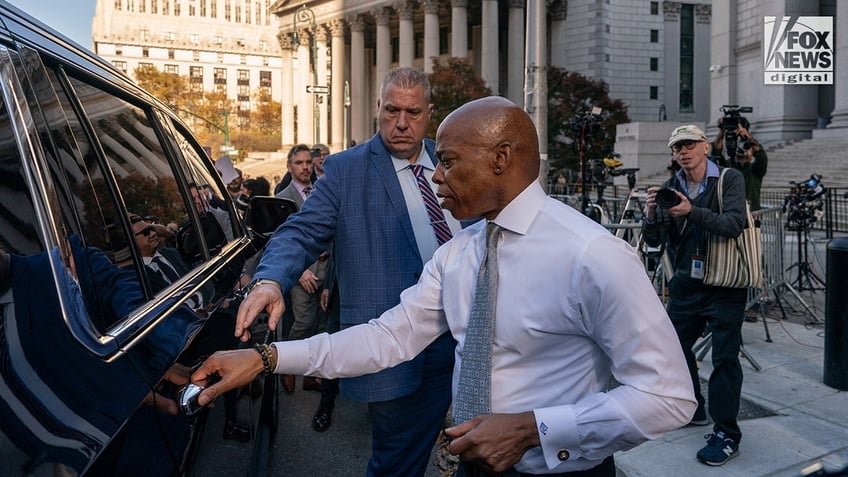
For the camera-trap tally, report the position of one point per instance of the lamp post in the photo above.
(305, 15)
(345, 141)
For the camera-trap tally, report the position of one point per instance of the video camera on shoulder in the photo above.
(729, 124)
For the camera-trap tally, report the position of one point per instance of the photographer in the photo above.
(681, 213)
(748, 156)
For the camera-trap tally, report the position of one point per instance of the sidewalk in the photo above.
(809, 425)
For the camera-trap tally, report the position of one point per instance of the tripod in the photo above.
(807, 278)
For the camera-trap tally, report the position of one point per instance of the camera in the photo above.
(666, 198)
(729, 123)
(742, 147)
(805, 203)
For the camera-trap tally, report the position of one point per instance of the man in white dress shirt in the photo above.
(574, 310)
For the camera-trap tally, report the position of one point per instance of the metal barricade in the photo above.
(773, 237)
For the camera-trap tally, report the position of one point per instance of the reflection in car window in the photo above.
(17, 216)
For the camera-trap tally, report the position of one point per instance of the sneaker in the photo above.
(719, 449)
(700, 418)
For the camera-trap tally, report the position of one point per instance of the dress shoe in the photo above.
(311, 383)
(323, 419)
(236, 432)
(288, 382)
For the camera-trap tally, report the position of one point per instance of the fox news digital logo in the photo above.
(798, 50)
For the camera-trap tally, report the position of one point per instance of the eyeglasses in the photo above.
(688, 144)
(146, 231)
(151, 219)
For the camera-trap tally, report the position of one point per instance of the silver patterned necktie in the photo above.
(473, 394)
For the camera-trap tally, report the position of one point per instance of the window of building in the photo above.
(243, 75)
(264, 78)
(243, 59)
(238, 13)
(267, 12)
(170, 36)
(263, 45)
(144, 65)
(195, 73)
(228, 11)
(606, 28)
(244, 92)
(172, 69)
(196, 55)
(265, 61)
(220, 58)
(247, 15)
(145, 52)
(219, 75)
(395, 49)
(258, 11)
(419, 45)
(192, 8)
(687, 57)
(606, 57)
(202, 8)
(655, 92)
(154, 6)
(119, 5)
(119, 50)
(166, 10)
(443, 41)
(170, 53)
(655, 36)
(194, 38)
(145, 35)
(142, 7)
(213, 9)
(176, 8)
(655, 8)
(655, 64)
(219, 40)
(121, 65)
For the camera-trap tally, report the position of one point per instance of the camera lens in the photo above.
(666, 198)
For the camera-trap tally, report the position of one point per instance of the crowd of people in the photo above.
(386, 284)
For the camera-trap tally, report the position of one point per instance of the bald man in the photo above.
(572, 310)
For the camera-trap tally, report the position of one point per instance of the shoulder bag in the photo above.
(734, 262)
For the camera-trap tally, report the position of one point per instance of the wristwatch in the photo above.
(263, 281)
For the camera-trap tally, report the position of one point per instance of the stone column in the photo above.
(839, 118)
(489, 46)
(558, 11)
(459, 28)
(337, 30)
(286, 95)
(382, 16)
(406, 38)
(515, 53)
(321, 73)
(431, 33)
(302, 98)
(358, 108)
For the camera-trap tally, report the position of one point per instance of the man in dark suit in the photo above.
(370, 204)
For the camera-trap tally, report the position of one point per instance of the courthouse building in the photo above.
(223, 45)
(653, 54)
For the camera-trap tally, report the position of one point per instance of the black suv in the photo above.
(98, 182)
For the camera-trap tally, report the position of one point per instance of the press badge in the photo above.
(697, 269)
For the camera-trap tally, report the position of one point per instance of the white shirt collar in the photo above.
(520, 212)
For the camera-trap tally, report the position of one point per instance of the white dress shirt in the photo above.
(574, 309)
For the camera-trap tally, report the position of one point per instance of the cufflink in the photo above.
(563, 455)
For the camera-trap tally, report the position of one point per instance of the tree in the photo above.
(452, 85)
(570, 97)
(170, 88)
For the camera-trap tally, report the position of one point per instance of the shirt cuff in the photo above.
(557, 434)
(292, 357)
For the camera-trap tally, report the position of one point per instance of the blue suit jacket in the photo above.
(359, 205)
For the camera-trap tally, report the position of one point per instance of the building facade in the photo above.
(223, 45)
(654, 55)
(781, 112)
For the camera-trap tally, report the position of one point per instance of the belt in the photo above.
(604, 469)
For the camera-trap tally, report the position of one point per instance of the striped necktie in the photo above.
(434, 210)
(474, 390)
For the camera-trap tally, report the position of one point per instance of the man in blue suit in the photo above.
(370, 204)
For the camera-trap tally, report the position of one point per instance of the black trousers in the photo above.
(720, 311)
(604, 469)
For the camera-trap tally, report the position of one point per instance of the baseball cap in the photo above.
(688, 132)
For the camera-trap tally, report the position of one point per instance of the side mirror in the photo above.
(265, 214)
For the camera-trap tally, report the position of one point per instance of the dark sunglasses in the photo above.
(146, 231)
(152, 219)
(687, 144)
(134, 219)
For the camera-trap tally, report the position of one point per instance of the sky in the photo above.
(70, 17)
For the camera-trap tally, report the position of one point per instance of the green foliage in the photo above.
(452, 85)
(569, 95)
